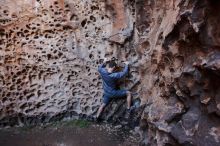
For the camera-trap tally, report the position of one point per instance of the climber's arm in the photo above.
(119, 75)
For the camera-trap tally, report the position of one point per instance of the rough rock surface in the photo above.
(50, 51)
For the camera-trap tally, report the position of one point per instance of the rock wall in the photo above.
(49, 56)
(181, 77)
(50, 51)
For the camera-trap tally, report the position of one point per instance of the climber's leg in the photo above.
(106, 100)
(101, 108)
(124, 93)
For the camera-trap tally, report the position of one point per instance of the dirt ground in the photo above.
(67, 134)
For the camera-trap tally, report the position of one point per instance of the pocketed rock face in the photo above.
(50, 51)
(49, 56)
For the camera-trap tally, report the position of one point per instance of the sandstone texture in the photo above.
(50, 51)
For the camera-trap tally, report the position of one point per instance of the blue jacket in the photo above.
(110, 79)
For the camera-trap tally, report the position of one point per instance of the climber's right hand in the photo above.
(126, 62)
(105, 60)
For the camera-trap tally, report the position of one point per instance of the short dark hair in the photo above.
(112, 64)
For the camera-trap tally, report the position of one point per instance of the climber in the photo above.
(110, 77)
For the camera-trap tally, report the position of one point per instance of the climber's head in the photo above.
(111, 66)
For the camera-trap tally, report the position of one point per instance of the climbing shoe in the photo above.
(97, 120)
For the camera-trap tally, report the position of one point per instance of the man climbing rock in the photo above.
(110, 78)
